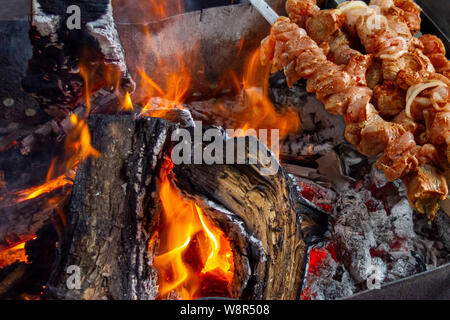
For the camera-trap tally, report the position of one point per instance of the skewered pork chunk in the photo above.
(383, 4)
(389, 99)
(439, 133)
(376, 134)
(432, 44)
(405, 11)
(288, 47)
(300, 10)
(423, 187)
(340, 48)
(353, 10)
(415, 62)
(416, 166)
(404, 156)
(386, 37)
(434, 49)
(411, 14)
(341, 88)
(322, 25)
(409, 124)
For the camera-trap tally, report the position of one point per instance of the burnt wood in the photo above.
(20, 281)
(31, 139)
(20, 221)
(115, 210)
(270, 209)
(54, 77)
(107, 228)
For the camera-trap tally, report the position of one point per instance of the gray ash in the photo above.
(375, 241)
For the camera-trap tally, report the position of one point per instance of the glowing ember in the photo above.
(192, 248)
(14, 254)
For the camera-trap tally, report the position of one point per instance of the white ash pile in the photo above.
(374, 238)
(372, 244)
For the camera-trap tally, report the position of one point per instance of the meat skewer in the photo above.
(379, 23)
(343, 91)
(323, 26)
(326, 27)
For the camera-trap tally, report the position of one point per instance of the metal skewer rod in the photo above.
(265, 10)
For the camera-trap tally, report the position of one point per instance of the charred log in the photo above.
(115, 210)
(56, 129)
(107, 228)
(20, 220)
(54, 76)
(26, 280)
(269, 208)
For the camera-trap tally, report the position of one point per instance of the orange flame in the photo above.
(175, 64)
(256, 112)
(259, 112)
(128, 104)
(193, 248)
(162, 9)
(47, 187)
(78, 143)
(78, 147)
(177, 87)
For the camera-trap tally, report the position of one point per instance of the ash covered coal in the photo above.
(434, 239)
(329, 281)
(320, 131)
(374, 238)
(372, 242)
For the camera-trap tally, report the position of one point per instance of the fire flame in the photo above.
(60, 174)
(47, 187)
(176, 70)
(157, 9)
(175, 63)
(128, 104)
(78, 147)
(177, 86)
(256, 111)
(78, 143)
(193, 248)
(259, 111)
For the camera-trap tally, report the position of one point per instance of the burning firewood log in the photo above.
(116, 228)
(56, 73)
(21, 218)
(26, 278)
(29, 141)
